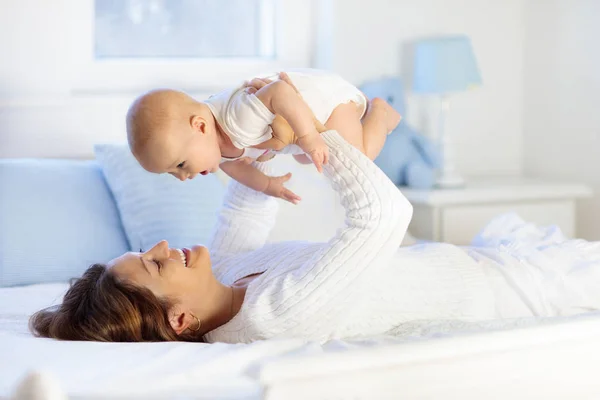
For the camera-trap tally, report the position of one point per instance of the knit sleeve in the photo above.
(245, 219)
(329, 283)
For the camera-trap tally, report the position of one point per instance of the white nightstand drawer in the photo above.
(457, 215)
(459, 224)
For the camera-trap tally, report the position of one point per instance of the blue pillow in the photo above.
(57, 217)
(155, 207)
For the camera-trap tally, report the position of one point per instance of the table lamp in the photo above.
(443, 66)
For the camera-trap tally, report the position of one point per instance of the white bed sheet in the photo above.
(196, 370)
(123, 369)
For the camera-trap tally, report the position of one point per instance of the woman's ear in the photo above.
(198, 124)
(180, 321)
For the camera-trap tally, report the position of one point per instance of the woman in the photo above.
(359, 283)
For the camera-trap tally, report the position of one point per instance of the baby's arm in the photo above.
(251, 177)
(281, 98)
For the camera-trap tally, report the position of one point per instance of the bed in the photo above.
(425, 359)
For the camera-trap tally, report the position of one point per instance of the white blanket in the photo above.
(166, 369)
(151, 370)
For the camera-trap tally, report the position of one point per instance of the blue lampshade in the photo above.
(444, 65)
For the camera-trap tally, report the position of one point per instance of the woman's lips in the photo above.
(187, 253)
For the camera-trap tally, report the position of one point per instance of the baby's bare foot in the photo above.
(384, 110)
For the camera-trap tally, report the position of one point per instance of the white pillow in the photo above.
(155, 207)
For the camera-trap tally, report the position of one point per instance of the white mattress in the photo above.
(170, 370)
(91, 369)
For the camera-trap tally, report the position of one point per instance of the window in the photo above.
(194, 45)
(184, 28)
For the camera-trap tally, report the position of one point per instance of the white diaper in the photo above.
(324, 91)
(246, 120)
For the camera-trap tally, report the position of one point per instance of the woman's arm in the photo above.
(247, 216)
(245, 220)
(325, 286)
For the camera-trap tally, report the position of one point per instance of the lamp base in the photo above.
(449, 182)
(448, 177)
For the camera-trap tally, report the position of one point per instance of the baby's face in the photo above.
(183, 153)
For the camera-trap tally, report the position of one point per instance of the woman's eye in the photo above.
(180, 165)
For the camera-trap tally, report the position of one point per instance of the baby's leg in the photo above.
(378, 122)
(345, 119)
(368, 136)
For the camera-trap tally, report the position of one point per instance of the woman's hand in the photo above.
(256, 84)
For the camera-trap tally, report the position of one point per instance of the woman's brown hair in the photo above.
(99, 307)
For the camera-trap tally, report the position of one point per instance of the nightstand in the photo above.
(457, 215)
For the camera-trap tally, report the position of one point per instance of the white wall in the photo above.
(55, 102)
(486, 124)
(561, 97)
(39, 117)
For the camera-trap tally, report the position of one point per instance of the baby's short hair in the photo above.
(154, 111)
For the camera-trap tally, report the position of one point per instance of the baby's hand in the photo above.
(315, 147)
(276, 189)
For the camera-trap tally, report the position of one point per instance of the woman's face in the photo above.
(180, 275)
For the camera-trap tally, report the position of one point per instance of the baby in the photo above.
(168, 131)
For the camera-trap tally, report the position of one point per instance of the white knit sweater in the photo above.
(358, 283)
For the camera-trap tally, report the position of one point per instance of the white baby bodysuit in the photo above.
(247, 121)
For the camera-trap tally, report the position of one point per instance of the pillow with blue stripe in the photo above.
(57, 217)
(157, 207)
